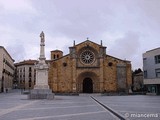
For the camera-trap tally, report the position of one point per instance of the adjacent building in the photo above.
(88, 69)
(25, 74)
(6, 70)
(151, 68)
(138, 82)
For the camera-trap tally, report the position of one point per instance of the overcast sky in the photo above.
(128, 28)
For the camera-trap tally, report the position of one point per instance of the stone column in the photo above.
(74, 75)
(102, 58)
(73, 59)
(42, 44)
(101, 76)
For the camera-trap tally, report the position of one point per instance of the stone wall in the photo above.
(60, 75)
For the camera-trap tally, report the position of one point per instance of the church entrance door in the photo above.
(87, 85)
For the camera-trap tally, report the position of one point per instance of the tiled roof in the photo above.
(26, 62)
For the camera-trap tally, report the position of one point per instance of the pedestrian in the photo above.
(6, 90)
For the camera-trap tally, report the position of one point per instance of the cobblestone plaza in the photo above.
(16, 106)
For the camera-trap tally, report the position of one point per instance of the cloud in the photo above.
(150, 9)
(127, 28)
(127, 48)
(17, 5)
(16, 50)
(74, 19)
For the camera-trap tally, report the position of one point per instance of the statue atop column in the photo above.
(42, 37)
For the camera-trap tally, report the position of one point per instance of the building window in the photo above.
(4, 60)
(157, 59)
(30, 74)
(157, 73)
(145, 73)
(110, 64)
(30, 80)
(144, 61)
(30, 69)
(87, 57)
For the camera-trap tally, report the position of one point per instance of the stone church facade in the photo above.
(88, 69)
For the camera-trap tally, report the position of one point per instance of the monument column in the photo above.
(42, 67)
(41, 89)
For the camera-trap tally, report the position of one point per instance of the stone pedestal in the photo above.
(41, 94)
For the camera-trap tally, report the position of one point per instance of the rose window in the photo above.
(87, 57)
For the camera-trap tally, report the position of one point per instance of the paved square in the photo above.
(15, 106)
(135, 107)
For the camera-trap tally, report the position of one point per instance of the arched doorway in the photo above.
(93, 82)
(87, 85)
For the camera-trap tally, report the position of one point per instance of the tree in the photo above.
(137, 71)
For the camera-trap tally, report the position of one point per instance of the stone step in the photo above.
(90, 94)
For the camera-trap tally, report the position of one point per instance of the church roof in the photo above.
(56, 51)
(86, 42)
(117, 58)
(59, 58)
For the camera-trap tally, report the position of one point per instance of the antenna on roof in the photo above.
(74, 43)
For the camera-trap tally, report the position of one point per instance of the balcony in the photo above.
(151, 81)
